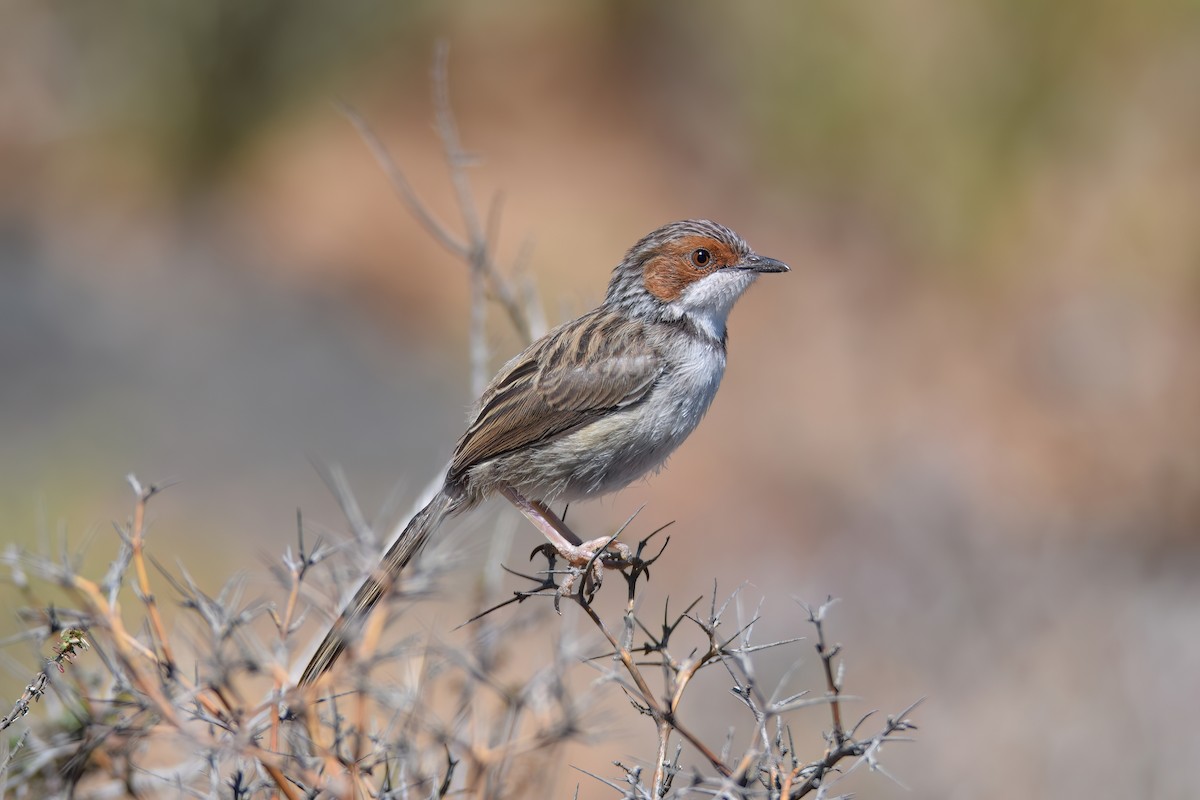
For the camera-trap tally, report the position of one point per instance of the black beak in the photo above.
(759, 263)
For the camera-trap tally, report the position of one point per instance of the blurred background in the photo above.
(970, 411)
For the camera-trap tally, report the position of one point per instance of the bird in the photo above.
(588, 408)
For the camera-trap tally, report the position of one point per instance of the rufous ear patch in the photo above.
(671, 270)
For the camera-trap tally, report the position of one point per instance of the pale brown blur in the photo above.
(970, 411)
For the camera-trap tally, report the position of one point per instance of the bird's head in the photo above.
(694, 269)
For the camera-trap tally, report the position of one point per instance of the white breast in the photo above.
(636, 441)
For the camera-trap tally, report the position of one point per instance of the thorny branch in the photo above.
(71, 641)
(394, 739)
(768, 767)
(149, 694)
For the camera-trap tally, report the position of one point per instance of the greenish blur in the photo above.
(188, 85)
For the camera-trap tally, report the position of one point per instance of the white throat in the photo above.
(707, 302)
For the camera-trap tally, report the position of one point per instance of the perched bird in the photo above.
(591, 406)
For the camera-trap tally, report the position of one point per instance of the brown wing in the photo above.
(563, 381)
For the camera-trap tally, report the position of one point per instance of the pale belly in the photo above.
(617, 449)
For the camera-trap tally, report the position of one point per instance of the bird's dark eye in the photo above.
(701, 258)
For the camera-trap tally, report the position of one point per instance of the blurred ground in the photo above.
(970, 411)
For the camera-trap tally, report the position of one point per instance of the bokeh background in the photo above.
(971, 410)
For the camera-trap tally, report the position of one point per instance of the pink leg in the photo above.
(576, 551)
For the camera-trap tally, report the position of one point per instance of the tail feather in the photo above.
(377, 585)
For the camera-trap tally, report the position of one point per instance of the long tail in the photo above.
(349, 624)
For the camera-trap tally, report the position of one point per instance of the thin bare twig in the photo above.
(137, 542)
(833, 681)
(475, 244)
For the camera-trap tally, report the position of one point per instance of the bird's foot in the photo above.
(599, 553)
(588, 561)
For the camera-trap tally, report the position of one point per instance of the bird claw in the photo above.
(586, 563)
(547, 550)
(590, 559)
